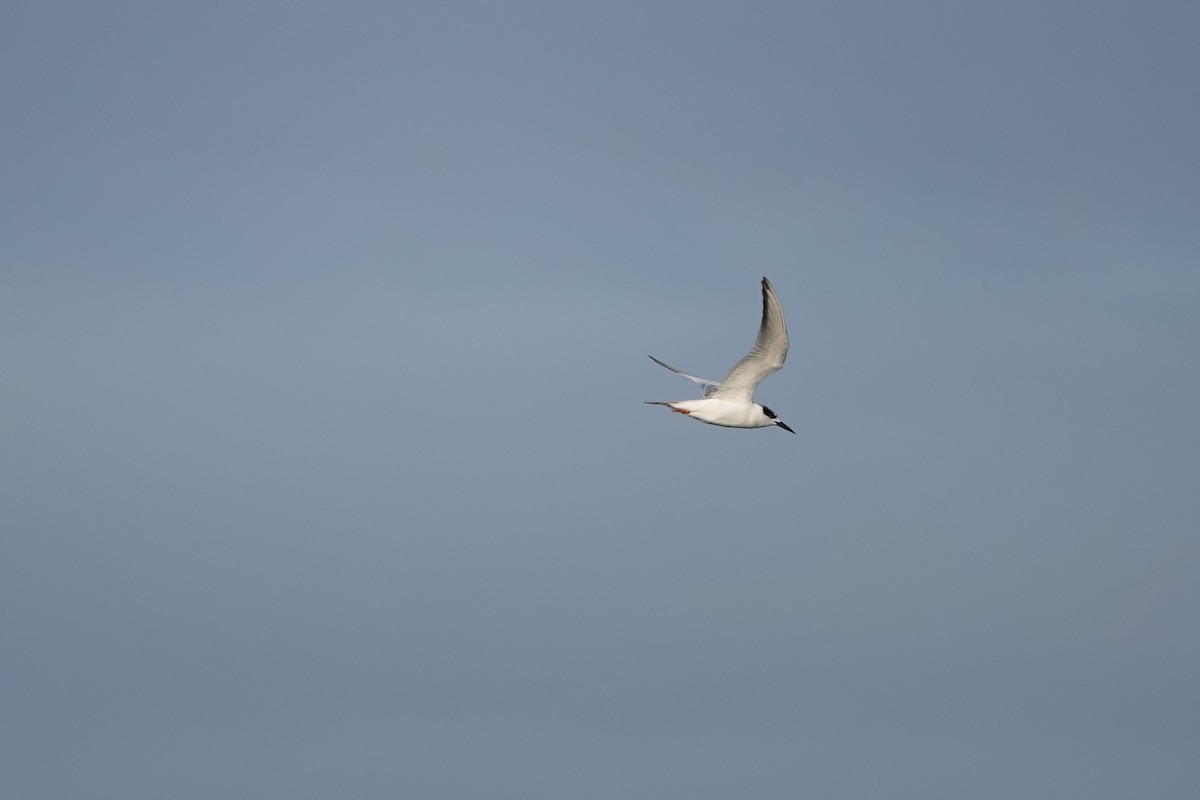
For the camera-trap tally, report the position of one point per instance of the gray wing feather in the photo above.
(707, 387)
(767, 355)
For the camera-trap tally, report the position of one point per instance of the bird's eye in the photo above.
(769, 412)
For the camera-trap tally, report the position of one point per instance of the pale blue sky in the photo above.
(324, 466)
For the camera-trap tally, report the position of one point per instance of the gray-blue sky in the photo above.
(325, 467)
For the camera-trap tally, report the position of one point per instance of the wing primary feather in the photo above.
(766, 356)
(707, 387)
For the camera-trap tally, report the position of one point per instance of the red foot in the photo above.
(680, 411)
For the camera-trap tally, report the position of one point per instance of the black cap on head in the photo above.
(771, 416)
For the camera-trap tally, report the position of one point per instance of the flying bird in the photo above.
(730, 403)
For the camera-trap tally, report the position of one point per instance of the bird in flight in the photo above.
(730, 403)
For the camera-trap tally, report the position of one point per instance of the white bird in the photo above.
(730, 403)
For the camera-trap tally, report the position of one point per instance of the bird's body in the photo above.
(725, 413)
(730, 403)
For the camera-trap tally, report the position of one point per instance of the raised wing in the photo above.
(767, 355)
(706, 386)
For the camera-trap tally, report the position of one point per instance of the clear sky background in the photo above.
(324, 467)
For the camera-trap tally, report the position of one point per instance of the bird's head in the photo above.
(775, 420)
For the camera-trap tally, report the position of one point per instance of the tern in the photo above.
(730, 403)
